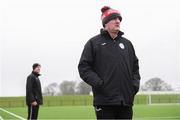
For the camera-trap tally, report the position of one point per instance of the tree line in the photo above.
(67, 88)
(82, 88)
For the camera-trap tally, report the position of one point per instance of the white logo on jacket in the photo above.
(121, 45)
(98, 109)
(103, 44)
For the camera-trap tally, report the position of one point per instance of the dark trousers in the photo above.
(33, 112)
(113, 112)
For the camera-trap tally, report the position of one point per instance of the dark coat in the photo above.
(111, 68)
(33, 89)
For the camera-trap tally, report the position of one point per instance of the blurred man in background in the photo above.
(33, 92)
(109, 64)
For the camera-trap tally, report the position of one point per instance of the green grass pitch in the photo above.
(141, 112)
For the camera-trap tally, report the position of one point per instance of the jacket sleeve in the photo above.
(136, 75)
(85, 67)
(29, 89)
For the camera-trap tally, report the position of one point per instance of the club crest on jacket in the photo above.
(121, 45)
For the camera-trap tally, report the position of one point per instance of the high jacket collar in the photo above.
(36, 74)
(105, 32)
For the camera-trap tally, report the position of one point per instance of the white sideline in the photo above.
(17, 116)
(143, 118)
(1, 118)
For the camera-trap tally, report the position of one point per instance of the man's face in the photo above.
(37, 69)
(113, 25)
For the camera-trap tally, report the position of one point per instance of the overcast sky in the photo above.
(53, 33)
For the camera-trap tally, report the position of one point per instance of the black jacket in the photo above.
(33, 89)
(111, 68)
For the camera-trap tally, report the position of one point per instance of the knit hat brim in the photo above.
(111, 17)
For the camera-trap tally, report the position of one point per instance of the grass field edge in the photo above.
(13, 114)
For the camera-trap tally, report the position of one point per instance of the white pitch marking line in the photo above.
(173, 117)
(1, 118)
(17, 116)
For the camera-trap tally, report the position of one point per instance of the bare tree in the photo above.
(51, 89)
(156, 84)
(83, 88)
(67, 87)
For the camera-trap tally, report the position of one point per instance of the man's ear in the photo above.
(105, 26)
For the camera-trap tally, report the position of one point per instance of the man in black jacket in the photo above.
(109, 64)
(33, 92)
